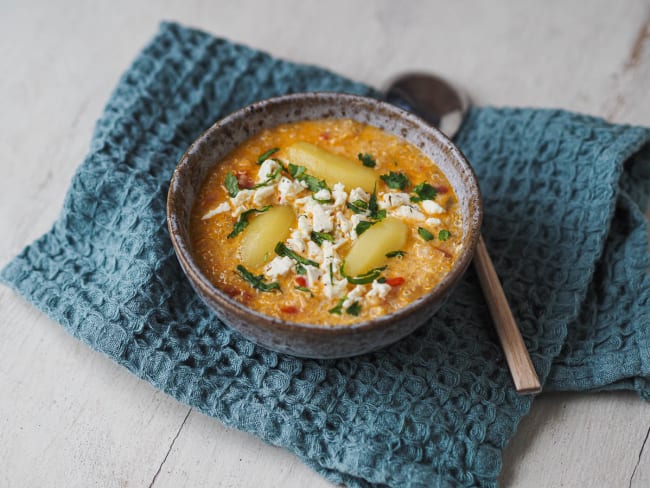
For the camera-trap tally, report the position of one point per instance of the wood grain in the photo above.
(519, 362)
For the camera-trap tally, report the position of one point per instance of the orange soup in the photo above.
(326, 222)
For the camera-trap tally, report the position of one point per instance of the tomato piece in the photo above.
(244, 180)
(289, 309)
(325, 136)
(442, 189)
(395, 281)
(301, 281)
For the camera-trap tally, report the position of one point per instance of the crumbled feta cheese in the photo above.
(263, 195)
(332, 287)
(296, 243)
(392, 200)
(321, 218)
(433, 221)
(358, 194)
(312, 274)
(354, 221)
(278, 266)
(432, 207)
(323, 194)
(304, 227)
(409, 212)
(378, 291)
(240, 201)
(266, 170)
(340, 197)
(288, 188)
(354, 296)
(343, 224)
(221, 208)
(313, 251)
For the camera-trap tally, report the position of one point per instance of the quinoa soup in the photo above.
(326, 222)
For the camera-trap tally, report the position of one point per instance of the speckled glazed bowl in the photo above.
(318, 341)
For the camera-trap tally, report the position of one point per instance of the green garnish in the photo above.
(363, 226)
(319, 200)
(367, 160)
(319, 237)
(373, 207)
(268, 181)
(282, 250)
(300, 173)
(232, 184)
(300, 269)
(396, 254)
(339, 306)
(363, 279)
(444, 234)
(242, 223)
(304, 288)
(358, 206)
(381, 279)
(267, 155)
(425, 234)
(396, 181)
(424, 191)
(257, 282)
(331, 274)
(354, 309)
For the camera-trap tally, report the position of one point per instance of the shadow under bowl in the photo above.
(313, 340)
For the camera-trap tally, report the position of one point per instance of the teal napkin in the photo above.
(563, 196)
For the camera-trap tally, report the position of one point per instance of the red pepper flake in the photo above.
(289, 309)
(441, 189)
(395, 281)
(301, 281)
(447, 254)
(244, 180)
(325, 136)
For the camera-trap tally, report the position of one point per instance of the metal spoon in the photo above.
(444, 106)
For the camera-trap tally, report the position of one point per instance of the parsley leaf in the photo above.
(339, 306)
(358, 206)
(300, 173)
(381, 279)
(257, 282)
(367, 160)
(319, 237)
(424, 191)
(282, 250)
(425, 234)
(362, 279)
(296, 171)
(396, 254)
(354, 309)
(242, 223)
(268, 181)
(267, 155)
(396, 181)
(373, 207)
(232, 185)
(363, 226)
(444, 234)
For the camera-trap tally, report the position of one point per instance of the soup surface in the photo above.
(326, 222)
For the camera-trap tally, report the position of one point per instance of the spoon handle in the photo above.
(521, 367)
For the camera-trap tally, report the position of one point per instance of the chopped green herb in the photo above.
(296, 171)
(319, 200)
(257, 282)
(232, 185)
(367, 160)
(305, 289)
(424, 191)
(425, 234)
(381, 279)
(396, 181)
(282, 250)
(300, 269)
(331, 274)
(396, 254)
(363, 279)
(358, 206)
(354, 309)
(300, 173)
(444, 234)
(242, 223)
(339, 306)
(363, 226)
(319, 237)
(267, 155)
(373, 207)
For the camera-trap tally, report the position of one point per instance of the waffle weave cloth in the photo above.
(564, 196)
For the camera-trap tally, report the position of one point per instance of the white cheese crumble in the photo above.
(312, 274)
(314, 251)
(321, 218)
(323, 194)
(378, 291)
(433, 221)
(392, 200)
(267, 168)
(340, 197)
(358, 194)
(432, 207)
(240, 201)
(296, 243)
(354, 296)
(288, 189)
(263, 195)
(278, 266)
(221, 208)
(409, 212)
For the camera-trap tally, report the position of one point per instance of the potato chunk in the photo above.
(331, 167)
(262, 235)
(370, 249)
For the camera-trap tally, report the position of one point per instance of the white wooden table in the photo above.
(71, 417)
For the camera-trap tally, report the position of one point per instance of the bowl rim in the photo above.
(196, 276)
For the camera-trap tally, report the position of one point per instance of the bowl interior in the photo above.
(224, 136)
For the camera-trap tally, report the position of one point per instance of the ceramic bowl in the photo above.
(308, 340)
